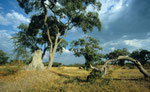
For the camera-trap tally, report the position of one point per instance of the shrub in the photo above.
(93, 75)
(45, 63)
(16, 62)
(3, 57)
(106, 81)
(131, 67)
(9, 70)
(56, 64)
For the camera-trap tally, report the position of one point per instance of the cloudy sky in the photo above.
(125, 24)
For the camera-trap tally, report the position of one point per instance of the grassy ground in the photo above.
(72, 79)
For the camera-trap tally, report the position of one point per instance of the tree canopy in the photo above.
(142, 55)
(116, 53)
(54, 18)
(87, 47)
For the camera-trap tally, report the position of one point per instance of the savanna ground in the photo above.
(72, 79)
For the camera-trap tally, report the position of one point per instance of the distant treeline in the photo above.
(142, 55)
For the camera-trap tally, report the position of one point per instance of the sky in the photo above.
(125, 24)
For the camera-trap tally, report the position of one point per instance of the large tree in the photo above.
(54, 18)
(142, 55)
(87, 47)
(116, 53)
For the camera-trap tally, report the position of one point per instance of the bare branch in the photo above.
(45, 23)
(136, 62)
(65, 33)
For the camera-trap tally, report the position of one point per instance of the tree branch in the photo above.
(65, 33)
(136, 62)
(45, 23)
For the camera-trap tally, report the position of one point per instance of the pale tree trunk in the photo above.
(136, 62)
(53, 46)
(51, 57)
(53, 51)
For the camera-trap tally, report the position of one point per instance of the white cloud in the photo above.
(66, 51)
(14, 18)
(4, 34)
(113, 48)
(138, 43)
(112, 43)
(5, 41)
(74, 29)
(130, 44)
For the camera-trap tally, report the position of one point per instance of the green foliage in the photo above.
(106, 81)
(56, 64)
(22, 41)
(142, 55)
(87, 47)
(100, 63)
(75, 65)
(27, 39)
(45, 63)
(9, 70)
(93, 75)
(17, 62)
(116, 53)
(132, 67)
(3, 57)
(48, 18)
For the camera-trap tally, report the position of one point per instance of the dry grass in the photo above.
(72, 79)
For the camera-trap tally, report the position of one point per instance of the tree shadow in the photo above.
(75, 80)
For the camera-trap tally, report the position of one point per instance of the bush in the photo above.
(93, 75)
(100, 63)
(9, 70)
(131, 67)
(3, 57)
(106, 81)
(147, 65)
(56, 64)
(45, 63)
(16, 62)
(75, 65)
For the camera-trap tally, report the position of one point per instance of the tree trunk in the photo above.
(43, 54)
(50, 61)
(137, 64)
(51, 56)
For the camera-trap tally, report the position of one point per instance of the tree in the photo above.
(55, 18)
(21, 44)
(87, 47)
(142, 55)
(3, 57)
(26, 40)
(116, 53)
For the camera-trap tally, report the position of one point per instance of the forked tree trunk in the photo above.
(53, 46)
(136, 62)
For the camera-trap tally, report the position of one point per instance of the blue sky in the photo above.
(125, 24)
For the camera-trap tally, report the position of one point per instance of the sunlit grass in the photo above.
(73, 79)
